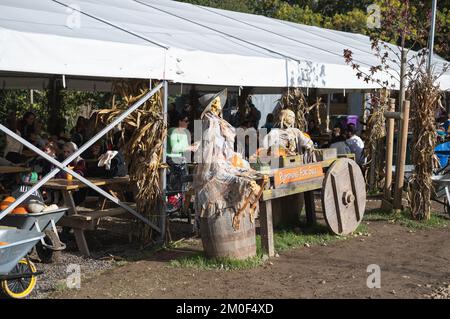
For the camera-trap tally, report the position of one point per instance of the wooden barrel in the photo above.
(221, 240)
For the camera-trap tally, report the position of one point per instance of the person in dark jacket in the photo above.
(107, 164)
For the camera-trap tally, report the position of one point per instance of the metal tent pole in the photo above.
(69, 160)
(431, 38)
(163, 177)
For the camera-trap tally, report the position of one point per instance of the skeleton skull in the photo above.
(287, 119)
(216, 106)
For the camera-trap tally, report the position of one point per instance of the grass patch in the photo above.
(61, 285)
(284, 239)
(403, 218)
(200, 261)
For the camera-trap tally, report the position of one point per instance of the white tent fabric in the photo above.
(180, 42)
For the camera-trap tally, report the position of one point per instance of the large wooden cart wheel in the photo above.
(344, 196)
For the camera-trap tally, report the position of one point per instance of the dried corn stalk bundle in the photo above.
(316, 106)
(424, 98)
(294, 100)
(375, 140)
(143, 134)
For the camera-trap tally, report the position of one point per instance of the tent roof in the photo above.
(180, 42)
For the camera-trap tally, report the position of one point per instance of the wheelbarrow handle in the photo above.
(60, 246)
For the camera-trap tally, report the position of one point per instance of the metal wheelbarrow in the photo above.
(17, 274)
(49, 247)
(441, 192)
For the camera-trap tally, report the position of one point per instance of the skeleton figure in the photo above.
(291, 139)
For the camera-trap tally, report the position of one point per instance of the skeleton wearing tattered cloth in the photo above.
(291, 139)
(223, 182)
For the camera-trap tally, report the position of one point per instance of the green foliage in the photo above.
(284, 239)
(403, 218)
(19, 102)
(73, 102)
(350, 16)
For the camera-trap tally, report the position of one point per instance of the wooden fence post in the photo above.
(390, 122)
(401, 158)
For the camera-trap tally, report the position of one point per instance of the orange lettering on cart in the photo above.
(296, 174)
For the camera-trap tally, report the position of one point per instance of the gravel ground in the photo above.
(110, 246)
(441, 292)
(55, 274)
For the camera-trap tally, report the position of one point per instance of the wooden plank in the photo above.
(77, 222)
(79, 234)
(266, 228)
(350, 156)
(13, 169)
(108, 212)
(328, 162)
(64, 184)
(294, 188)
(310, 208)
(291, 175)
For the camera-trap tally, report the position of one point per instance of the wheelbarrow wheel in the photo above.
(21, 287)
(446, 206)
(45, 254)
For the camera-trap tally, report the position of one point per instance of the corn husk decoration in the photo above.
(143, 134)
(294, 100)
(424, 98)
(375, 140)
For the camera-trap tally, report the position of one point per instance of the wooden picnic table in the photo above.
(13, 169)
(29, 153)
(83, 220)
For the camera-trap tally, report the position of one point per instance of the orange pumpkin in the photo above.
(237, 161)
(279, 152)
(6, 202)
(20, 210)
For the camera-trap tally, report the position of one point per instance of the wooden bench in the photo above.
(88, 218)
(78, 219)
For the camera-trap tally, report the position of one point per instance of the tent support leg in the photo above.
(163, 177)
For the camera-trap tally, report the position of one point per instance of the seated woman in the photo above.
(106, 164)
(78, 166)
(13, 149)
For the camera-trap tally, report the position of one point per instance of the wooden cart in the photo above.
(343, 196)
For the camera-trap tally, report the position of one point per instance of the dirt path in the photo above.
(413, 265)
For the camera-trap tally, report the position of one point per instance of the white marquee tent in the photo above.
(90, 41)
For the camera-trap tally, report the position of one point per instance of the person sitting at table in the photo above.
(26, 126)
(42, 166)
(78, 164)
(13, 149)
(340, 145)
(355, 144)
(37, 136)
(107, 164)
(79, 131)
(313, 129)
(270, 122)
